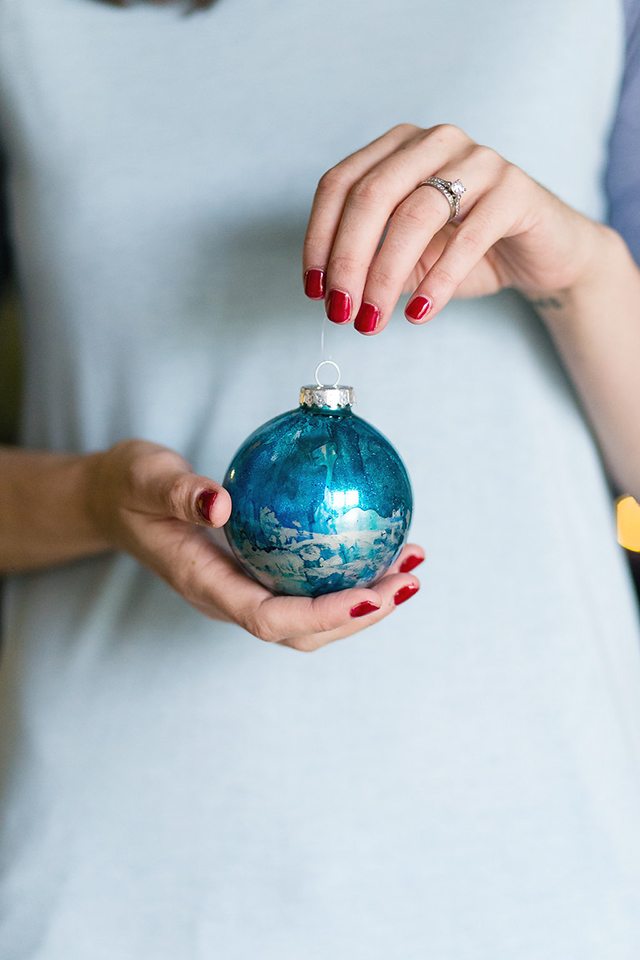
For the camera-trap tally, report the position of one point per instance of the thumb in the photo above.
(197, 499)
(162, 484)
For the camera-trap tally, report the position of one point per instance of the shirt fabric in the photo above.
(623, 172)
(461, 781)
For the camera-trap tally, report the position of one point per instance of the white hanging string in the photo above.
(323, 327)
(327, 338)
(326, 354)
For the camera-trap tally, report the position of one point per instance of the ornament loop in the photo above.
(337, 369)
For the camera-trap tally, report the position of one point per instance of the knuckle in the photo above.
(135, 472)
(449, 132)
(141, 463)
(380, 277)
(322, 619)
(304, 645)
(409, 215)
(176, 495)
(322, 623)
(344, 264)
(512, 175)
(443, 277)
(259, 627)
(368, 191)
(333, 181)
(124, 448)
(465, 240)
(404, 128)
(313, 243)
(485, 156)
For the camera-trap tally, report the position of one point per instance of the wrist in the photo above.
(605, 253)
(54, 523)
(603, 261)
(93, 498)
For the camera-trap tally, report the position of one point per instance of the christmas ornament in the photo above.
(321, 500)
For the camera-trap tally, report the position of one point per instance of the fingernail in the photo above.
(404, 593)
(339, 306)
(367, 319)
(204, 504)
(361, 609)
(314, 284)
(410, 563)
(417, 308)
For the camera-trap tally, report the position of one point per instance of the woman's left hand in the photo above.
(512, 231)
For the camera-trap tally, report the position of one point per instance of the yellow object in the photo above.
(628, 518)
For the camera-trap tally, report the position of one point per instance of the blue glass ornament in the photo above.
(321, 499)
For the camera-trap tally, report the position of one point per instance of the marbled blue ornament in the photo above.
(321, 499)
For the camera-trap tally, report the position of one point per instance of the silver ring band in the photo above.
(451, 190)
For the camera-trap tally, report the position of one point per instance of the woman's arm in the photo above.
(375, 231)
(44, 509)
(145, 499)
(595, 325)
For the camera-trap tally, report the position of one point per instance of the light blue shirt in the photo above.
(460, 782)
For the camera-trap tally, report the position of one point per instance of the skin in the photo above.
(512, 233)
(141, 498)
(579, 275)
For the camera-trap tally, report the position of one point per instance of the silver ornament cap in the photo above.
(327, 396)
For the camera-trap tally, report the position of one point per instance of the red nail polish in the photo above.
(204, 504)
(314, 284)
(405, 592)
(339, 306)
(367, 319)
(417, 308)
(410, 563)
(361, 609)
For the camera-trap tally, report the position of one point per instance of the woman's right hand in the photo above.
(146, 500)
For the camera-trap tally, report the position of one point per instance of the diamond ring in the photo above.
(451, 190)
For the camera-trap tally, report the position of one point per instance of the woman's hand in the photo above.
(513, 232)
(146, 500)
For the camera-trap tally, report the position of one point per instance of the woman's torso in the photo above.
(460, 781)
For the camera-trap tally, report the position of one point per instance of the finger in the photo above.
(431, 253)
(489, 221)
(282, 618)
(393, 589)
(328, 202)
(211, 581)
(219, 585)
(370, 203)
(159, 484)
(217, 582)
(198, 499)
(481, 282)
(413, 226)
(186, 559)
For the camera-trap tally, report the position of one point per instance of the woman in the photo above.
(458, 776)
